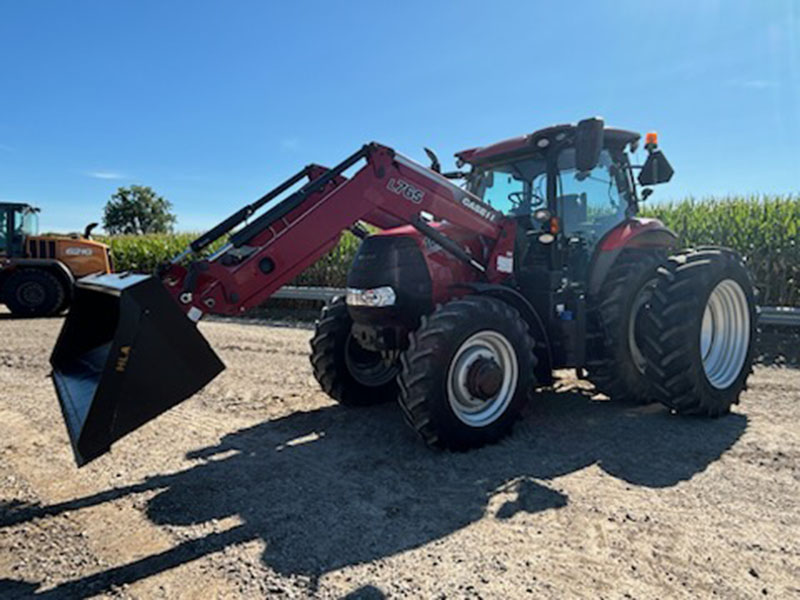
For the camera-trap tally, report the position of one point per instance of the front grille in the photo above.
(41, 249)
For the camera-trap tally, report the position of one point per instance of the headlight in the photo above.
(375, 297)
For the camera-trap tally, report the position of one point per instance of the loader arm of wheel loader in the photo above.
(127, 351)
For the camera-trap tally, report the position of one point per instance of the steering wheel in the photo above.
(517, 198)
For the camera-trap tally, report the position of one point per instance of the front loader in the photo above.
(467, 298)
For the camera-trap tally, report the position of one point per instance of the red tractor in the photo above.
(462, 305)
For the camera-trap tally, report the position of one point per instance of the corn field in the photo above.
(143, 253)
(763, 229)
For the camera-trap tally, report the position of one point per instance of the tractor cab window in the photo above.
(588, 203)
(516, 188)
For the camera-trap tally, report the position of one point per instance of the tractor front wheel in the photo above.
(346, 371)
(699, 331)
(467, 373)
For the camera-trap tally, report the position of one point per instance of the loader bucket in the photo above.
(125, 354)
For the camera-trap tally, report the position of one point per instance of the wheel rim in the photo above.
(725, 334)
(483, 346)
(31, 294)
(641, 299)
(368, 368)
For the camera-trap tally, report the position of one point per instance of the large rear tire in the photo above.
(467, 373)
(347, 372)
(34, 293)
(616, 364)
(699, 332)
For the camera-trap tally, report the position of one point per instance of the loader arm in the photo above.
(127, 351)
(388, 190)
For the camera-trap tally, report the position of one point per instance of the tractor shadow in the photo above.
(334, 487)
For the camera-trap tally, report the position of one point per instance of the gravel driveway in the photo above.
(260, 486)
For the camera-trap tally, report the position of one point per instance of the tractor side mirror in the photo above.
(588, 143)
(656, 169)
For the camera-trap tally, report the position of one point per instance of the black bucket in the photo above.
(125, 354)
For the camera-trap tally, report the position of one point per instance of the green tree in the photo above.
(137, 210)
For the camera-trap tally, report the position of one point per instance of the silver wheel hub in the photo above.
(725, 334)
(482, 378)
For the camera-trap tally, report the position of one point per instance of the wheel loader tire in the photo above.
(348, 373)
(467, 373)
(33, 293)
(616, 365)
(699, 331)
(66, 302)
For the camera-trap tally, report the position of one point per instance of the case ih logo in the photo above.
(73, 251)
(405, 189)
(483, 211)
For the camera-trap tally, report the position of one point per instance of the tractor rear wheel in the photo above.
(33, 293)
(346, 371)
(467, 373)
(616, 364)
(699, 332)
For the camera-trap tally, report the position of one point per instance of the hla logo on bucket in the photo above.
(122, 359)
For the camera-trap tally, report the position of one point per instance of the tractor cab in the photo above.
(576, 179)
(17, 222)
(572, 192)
(567, 186)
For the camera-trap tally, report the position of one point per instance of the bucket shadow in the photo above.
(335, 487)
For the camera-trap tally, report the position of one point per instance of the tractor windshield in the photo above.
(588, 203)
(515, 188)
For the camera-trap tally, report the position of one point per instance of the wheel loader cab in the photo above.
(18, 222)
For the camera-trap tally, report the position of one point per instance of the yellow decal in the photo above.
(122, 359)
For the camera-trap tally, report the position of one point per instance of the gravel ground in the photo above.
(260, 486)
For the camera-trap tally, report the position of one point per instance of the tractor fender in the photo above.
(634, 233)
(55, 266)
(507, 294)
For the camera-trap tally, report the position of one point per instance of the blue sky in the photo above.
(211, 103)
